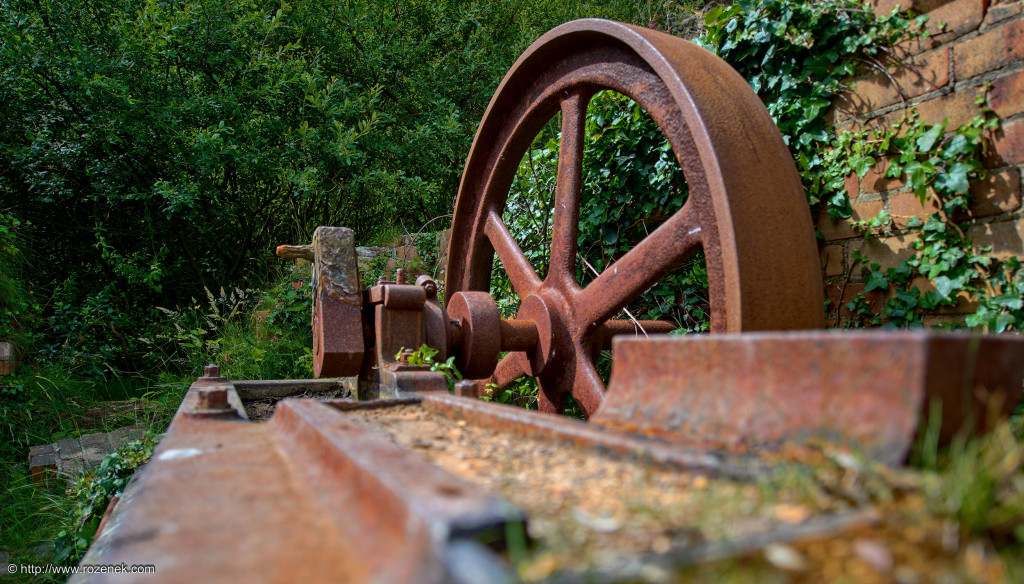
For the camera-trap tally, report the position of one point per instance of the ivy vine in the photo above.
(798, 56)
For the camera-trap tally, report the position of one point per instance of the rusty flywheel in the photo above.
(746, 207)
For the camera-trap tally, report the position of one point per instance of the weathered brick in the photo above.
(915, 76)
(888, 252)
(1000, 10)
(407, 252)
(1005, 237)
(958, 107)
(852, 184)
(1007, 145)
(964, 303)
(850, 291)
(1007, 96)
(862, 211)
(875, 181)
(999, 193)
(833, 261)
(935, 320)
(960, 17)
(905, 205)
(989, 51)
(884, 7)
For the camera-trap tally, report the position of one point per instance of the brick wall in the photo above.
(972, 43)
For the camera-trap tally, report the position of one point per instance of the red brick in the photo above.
(849, 292)
(1007, 145)
(1002, 9)
(905, 205)
(989, 51)
(862, 211)
(875, 180)
(884, 7)
(832, 261)
(1007, 97)
(959, 108)
(1005, 237)
(999, 193)
(960, 17)
(407, 252)
(915, 76)
(887, 252)
(852, 184)
(964, 303)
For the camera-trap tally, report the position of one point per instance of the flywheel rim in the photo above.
(683, 88)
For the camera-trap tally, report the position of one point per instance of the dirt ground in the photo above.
(592, 518)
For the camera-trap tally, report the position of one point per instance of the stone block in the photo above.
(8, 358)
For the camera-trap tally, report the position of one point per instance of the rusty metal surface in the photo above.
(560, 429)
(307, 497)
(337, 335)
(870, 389)
(746, 207)
(480, 338)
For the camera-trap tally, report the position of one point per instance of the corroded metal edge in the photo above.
(309, 496)
(868, 389)
(609, 441)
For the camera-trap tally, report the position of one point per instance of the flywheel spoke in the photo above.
(587, 387)
(518, 268)
(641, 267)
(510, 368)
(565, 227)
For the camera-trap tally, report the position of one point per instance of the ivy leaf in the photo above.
(943, 287)
(876, 281)
(928, 140)
(861, 164)
(954, 179)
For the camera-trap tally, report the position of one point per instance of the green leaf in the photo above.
(954, 179)
(928, 140)
(876, 280)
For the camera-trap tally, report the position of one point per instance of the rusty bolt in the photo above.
(400, 276)
(211, 371)
(429, 285)
(381, 281)
(407, 355)
(212, 399)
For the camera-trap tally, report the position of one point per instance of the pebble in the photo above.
(874, 553)
(785, 557)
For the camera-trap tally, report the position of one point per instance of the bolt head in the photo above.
(212, 399)
(211, 371)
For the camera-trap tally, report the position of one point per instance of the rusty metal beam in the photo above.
(870, 389)
(308, 497)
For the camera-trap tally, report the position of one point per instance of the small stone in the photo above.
(785, 557)
(874, 553)
(905, 575)
(791, 513)
(661, 544)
